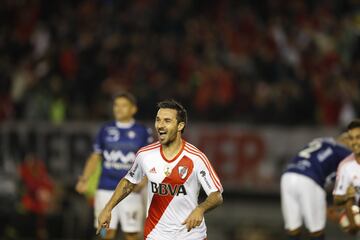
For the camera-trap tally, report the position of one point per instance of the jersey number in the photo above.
(313, 146)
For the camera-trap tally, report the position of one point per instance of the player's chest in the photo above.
(128, 139)
(176, 172)
(355, 177)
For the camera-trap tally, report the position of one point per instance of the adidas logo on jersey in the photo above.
(153, 170)
(168, 189)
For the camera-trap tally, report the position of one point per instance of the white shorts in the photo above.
(302, 199)
(129, 212)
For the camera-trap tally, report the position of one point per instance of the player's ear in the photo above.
(181, 126)
(134, 109)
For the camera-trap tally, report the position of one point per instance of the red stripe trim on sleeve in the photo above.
(206, 160)
(213, 175)
(208, 165)
(147, 148)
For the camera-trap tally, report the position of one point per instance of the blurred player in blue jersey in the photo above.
(303, 195)
(115, 146)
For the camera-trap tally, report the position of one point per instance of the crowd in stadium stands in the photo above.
(274, 61)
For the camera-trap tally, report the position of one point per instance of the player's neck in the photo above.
(357, 158)
(125, 123)
(172, 149)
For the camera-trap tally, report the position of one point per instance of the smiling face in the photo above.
(123, 109)
(354, 138)
(167, 126)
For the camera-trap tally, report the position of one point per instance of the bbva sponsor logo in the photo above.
(168, 189)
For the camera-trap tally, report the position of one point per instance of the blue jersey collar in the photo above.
(125, 125)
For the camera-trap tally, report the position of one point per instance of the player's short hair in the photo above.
(129, 96)
(181, 115)
(354, 124)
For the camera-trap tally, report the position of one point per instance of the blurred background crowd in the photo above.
(278, 61)
(270, 63)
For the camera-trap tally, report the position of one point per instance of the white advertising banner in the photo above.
(252, 158)
(246, 158)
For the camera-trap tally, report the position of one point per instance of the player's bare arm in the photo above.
(353, 229)
(346, 202)
(196, 216)
(342, 199)
(141, 185)
(124, 188)
(89, 169)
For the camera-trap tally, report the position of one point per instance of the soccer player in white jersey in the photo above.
(347, 186)
(175, 170)
(115, 147)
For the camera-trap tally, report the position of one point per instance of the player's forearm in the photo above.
(124, 188)
(348, 196)
(340, 200)
(90, 166)
(350, 215)
(141, 185)
(212, 201)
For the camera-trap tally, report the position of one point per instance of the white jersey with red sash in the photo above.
(173, 189)
(348, 174)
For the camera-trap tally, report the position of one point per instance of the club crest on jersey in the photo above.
(131, 134)
(113, 134)
(183, 171)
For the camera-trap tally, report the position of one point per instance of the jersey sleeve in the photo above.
(342, 182)
(207, 176)
(98, 145)
(342, 152)
(135, 173)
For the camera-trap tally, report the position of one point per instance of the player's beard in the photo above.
(168, 138)
(165, 139)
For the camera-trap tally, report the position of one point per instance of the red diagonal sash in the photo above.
(159, 203)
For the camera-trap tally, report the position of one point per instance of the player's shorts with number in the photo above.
(129, 212)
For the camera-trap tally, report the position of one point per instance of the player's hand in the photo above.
(194, 219)
(81, 185)
(103, 220)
